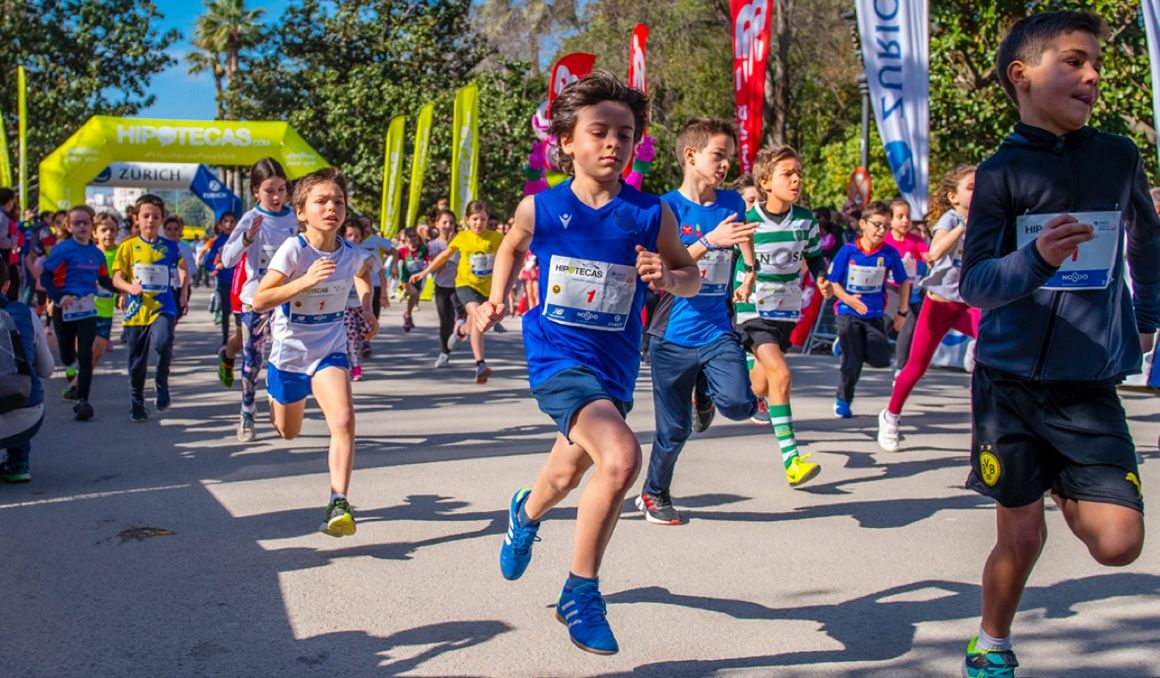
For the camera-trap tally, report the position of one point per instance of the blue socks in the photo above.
(576, 581)
(522, 514)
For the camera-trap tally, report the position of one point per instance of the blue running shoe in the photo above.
(836, 349)
(584, 612)
(516, 552)
(988, 663)
(842, 409)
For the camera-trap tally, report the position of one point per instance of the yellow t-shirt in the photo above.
(476, 259)
(155, 265)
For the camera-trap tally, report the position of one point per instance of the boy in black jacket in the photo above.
(1059, 330)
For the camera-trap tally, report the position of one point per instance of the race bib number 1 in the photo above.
(154, 278)
(716, 267)
(592, 294)
(320, 305)
(1090, 268)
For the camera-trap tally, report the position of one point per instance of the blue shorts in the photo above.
(292, 387)
(565, 392)
(104, 328)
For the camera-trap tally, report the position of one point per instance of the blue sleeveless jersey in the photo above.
(590, 295)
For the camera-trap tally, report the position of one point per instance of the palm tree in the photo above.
(221, 34)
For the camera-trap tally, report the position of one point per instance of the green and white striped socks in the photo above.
(781, 419)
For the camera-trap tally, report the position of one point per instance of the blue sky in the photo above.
(180, 95)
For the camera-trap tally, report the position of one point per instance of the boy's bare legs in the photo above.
(1019, 537)
(1113, 534)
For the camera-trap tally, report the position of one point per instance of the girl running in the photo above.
(600, 240)
(413, 259)
(943, 309)
(224, 278)
(354, 319)
(308, 282)
(477, 247)
(450, 309)
(258, 235)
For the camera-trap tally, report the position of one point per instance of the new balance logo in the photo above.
(565, 219)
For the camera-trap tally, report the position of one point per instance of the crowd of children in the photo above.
(732, 275)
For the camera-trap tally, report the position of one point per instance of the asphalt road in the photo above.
(171, 549)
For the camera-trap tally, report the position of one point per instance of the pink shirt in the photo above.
(911, 247)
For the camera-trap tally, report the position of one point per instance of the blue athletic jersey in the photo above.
(590, 294)
(698, 320)
(864, 273)
(75, 268)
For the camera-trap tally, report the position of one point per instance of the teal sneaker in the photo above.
(584, 612)
(516, 552)
(988, 663)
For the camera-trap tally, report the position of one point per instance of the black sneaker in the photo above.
(659, 509)
(138, 414)
(69, 393)
(83, 410)
(163, 400)
(15, 472)
(703, 408)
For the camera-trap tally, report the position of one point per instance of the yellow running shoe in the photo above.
(801, 471)
(339, 520)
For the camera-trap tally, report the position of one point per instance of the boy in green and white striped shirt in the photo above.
(768, 300)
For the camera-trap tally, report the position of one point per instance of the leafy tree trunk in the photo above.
(777, 74)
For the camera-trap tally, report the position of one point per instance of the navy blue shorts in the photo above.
(104, 328)
(291, 387)
(565, 392)
(1031, 437)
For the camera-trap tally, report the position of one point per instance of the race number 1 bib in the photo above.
(778, 301)
(81, 308)
(154, 278)
(1090, 268)
(320, 305)
(865, 279)
(592, 294)
(716, 267)
(482, 264)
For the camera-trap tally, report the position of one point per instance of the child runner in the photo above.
(693, 339)
(413, 258)
(858, 275)
(913, 249)
(171, 229)
(308, 282)
(383, 250)
(20, 420)
(944, 308)
(477, 247)
(147, 267)
(231, 345)
(771, 296)
(354, 317)
(599, 238)
(258, 235)
(447, 304)
(71, 276)
(106, 239)
(1045, 259)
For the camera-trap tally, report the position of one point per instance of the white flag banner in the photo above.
(1152, 26)
(896, 50)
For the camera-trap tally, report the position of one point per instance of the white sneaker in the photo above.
(456, 337)
(442, 360)
(888, 431)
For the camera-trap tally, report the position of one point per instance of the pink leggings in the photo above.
(934, 321)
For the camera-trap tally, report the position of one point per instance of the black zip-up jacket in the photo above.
(1052, 336)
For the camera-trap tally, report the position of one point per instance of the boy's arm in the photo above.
(989, 280)
(1144, 255)
(727, 234)
(508, 259)
(675, 272)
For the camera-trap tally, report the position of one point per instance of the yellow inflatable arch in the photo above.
(104, 140)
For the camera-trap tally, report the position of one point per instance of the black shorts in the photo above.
(1030, 437)
(760, 331)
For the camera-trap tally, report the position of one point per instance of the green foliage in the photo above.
(339, 74)
(194, 212)
(82, 59)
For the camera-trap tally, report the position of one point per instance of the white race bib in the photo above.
(482, 264)
(716, 267)
(1090, 268)
(154, 278)
(592, 294)
(81, 308)
(865, 279)
(175, 278)
(265, 257)
(778, 301)
(319, 305)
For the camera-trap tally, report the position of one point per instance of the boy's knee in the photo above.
(623, 467)
(564, 479)
(1117, 552)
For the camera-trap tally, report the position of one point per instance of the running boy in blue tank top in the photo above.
(601, 244)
